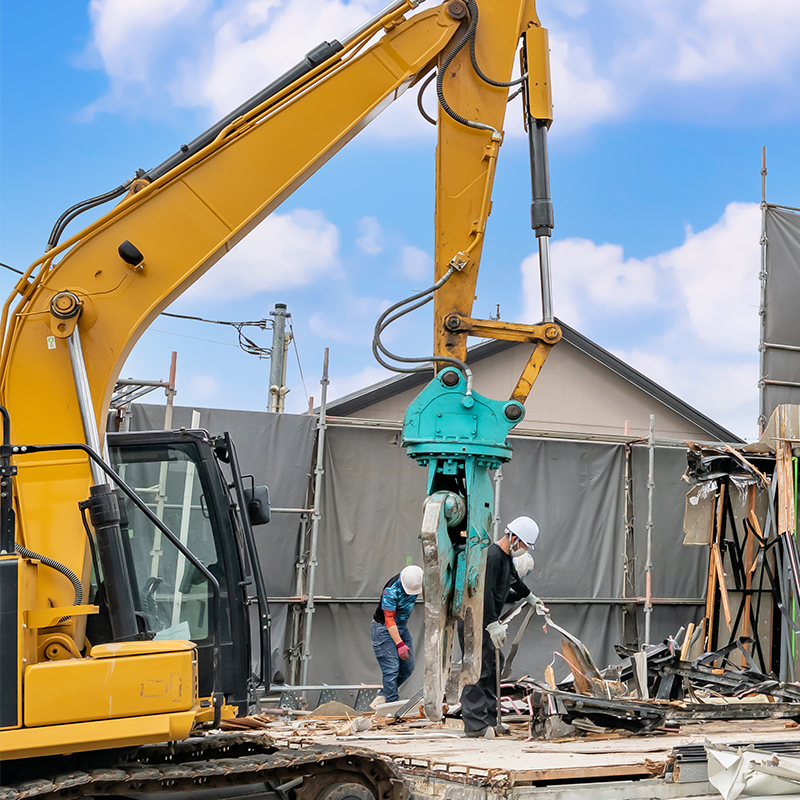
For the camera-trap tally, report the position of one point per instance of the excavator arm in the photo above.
(75, 315)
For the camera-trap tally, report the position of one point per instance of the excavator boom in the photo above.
(77, 312)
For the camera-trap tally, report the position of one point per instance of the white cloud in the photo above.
(608, 58)
(145, 48)
(587, 276)
(342, 385)
(117, 24)
(716, 271)
(415, 263)
(580, 97)
(743, 38)
(690, 313)
(370, 239)
(284, 252)
(257, 41)
(711, 279)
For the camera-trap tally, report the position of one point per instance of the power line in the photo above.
(297, 355)
(196, 338)
(258, 323)
(245, 343)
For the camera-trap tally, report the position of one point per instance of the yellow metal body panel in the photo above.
(548, 332)
(465, 159)
(182, 223)
(545, 336)
(540, 92)
(530, 372)
(48, 617)
(85, 736)
(78, 690)
(122, 649)
(206, 713)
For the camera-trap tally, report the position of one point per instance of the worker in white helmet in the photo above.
(501, 583)
(391, 640)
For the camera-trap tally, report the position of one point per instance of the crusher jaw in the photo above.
(460, 436)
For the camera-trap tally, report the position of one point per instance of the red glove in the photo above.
(404, 651)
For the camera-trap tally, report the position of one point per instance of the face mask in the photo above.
(518, 548)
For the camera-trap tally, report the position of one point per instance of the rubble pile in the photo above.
(657, 689)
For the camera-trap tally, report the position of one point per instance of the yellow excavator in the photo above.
(127, 562)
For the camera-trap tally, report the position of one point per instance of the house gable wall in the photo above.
(574, 393)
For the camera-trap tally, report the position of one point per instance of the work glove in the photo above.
(404, 651)
(541, 608)
(497, 632)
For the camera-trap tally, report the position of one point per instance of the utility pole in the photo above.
(277, 370)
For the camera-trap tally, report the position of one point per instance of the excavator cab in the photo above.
(193, 484)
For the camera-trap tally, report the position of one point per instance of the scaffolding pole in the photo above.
(293, 676)
(762, 307)
(630, 630)
(319, 471)
(648, 569)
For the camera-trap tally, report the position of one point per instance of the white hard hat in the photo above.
(525, 529)
(523, 564)
(411, 579)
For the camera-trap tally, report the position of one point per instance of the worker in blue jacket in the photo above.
(391, 640)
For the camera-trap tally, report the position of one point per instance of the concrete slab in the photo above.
(441, 764)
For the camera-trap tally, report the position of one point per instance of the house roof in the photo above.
(363, 398)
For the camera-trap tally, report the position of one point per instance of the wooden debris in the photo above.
(357, 725)
(336, 710)
(257, 722)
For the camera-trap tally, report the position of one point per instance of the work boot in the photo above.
(378, 701)
(481, 733)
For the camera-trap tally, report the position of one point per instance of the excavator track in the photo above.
(218, 761)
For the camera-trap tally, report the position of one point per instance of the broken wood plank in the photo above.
(582, 683)
(640, 769)
(687, 641)
(723, 589)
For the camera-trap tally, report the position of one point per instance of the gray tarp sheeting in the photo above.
(780, 311)
(371, 512)
(678, 571)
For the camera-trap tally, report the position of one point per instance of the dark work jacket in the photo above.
(501, 584)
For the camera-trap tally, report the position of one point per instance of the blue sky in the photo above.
(661, 110)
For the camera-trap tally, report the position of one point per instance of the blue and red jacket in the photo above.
(395, 603)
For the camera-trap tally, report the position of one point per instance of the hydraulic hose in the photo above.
(400, 309)
(472, 5)
(420, 95)
(441, 72)
(467, 38)
(64, 570)
(73, 211)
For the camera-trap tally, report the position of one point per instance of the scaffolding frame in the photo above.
(304, 601)
(763, 344)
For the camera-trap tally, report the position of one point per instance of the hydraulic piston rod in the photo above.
(539, 115)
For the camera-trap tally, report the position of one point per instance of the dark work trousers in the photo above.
(395, 671)
(479, 700)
